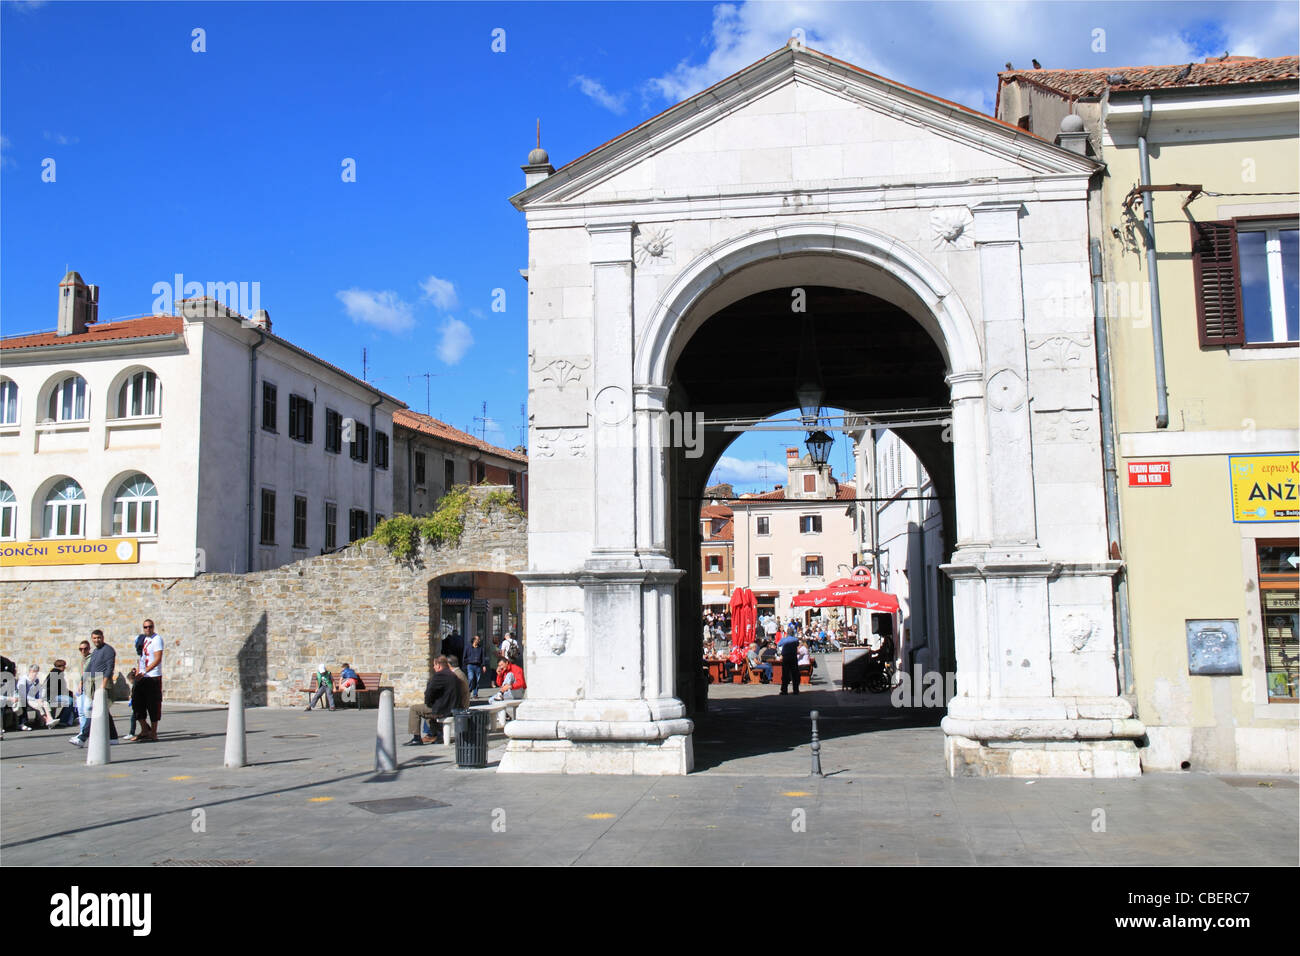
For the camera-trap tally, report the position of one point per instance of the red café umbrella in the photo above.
(853, 592)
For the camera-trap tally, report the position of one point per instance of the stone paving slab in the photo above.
(888, 802)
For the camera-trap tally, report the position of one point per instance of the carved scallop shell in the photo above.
(951, 228)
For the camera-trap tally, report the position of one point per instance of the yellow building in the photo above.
(1201, 343)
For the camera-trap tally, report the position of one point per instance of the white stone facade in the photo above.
(802, 170)
(195, 448)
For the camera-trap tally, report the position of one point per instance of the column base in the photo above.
(668, 756)
(1041, 758)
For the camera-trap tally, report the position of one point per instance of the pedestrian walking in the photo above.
(475, 661)
(790, 661)
(100, 667)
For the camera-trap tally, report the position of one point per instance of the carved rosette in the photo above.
(653, 246)
(950, 228)
(1006, 391)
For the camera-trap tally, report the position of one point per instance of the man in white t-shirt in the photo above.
(146, 697)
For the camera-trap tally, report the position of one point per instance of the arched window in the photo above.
(65, 510)
(141, 395)
(135, 507)
(8, 512)
(8, 401)
(68, 400)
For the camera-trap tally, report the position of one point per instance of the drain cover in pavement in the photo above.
(399, 804)
(294, 736)
(203, 863)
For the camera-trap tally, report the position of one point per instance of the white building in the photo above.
(211, 442)
(900, 526)
(797, 538)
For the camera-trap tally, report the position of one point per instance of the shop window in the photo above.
(135, 507)
(1279, 583)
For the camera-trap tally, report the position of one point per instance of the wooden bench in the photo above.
(778, 672)
(369, 685)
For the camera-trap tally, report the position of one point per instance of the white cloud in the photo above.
(441, 292)
(61, 139)
(383, 310)
(954, 50)
(5, 158)
(742, 471)
(455, 340)
(596, 91)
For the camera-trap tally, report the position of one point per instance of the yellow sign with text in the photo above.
(1265, 487)
(30, 554)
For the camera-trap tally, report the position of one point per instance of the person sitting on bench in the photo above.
(324, 687)
(440, 695)
(756, 663)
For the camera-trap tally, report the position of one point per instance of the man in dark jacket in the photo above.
(440, 696)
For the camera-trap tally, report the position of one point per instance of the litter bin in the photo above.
(471, 737)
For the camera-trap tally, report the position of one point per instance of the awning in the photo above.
(712, 599)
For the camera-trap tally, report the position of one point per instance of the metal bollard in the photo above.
(816, 747)
(386, 736)
(236, 747)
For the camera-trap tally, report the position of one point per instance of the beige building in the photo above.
(717, 557)
(1200, 338)
(798, 537)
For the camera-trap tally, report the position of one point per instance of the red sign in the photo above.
(1146, 474)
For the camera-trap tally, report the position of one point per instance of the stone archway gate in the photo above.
(798, 170)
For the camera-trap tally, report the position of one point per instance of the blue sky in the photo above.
(225, 165)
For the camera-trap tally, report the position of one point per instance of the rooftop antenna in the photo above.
(523, 423)
(763, 469)
(539, 132)
(363, 365)
(426, 376)
(483, 420)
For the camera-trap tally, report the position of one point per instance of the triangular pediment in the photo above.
(798, 119)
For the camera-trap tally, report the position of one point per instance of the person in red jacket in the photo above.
(510, 680)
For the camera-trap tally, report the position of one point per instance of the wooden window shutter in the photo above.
(1218, 293)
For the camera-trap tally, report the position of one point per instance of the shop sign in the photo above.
(1265, 487)
(1148, 474)
(30, 554)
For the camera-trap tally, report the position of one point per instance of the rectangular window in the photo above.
(1279, 588)
(300, 419)
(1247, 283)
(299, 521)
(331, 525)
(8, 519)
(812, 566)
(715, 564)
(419, 468)
(810, 524)
(361, 443)
(268, 516)
(333, 431)
(763, 526)
(448, 475)
(480, 473)
(381, 450)
(268, 407)
(765, 567)
(514, 482)
(357, 525)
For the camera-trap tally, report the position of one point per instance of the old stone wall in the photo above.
(270, 629)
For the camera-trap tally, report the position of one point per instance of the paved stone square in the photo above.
(884, 799)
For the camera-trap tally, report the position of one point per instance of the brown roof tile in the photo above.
(146, 326)
(426, 425)
(1078, 84)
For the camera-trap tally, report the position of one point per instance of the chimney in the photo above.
(792, 452)
(78, 305)
(1073, 136)
(261, 320)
